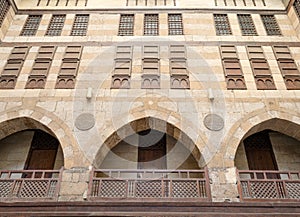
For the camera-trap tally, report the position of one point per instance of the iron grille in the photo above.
(222, 24)
(297, 7)
(31, 25)
(4, 6)
(175, 24)
(126, 25)
(56, 25)
(80, 25)
(246, 24)
(151, 24)
(271, 25)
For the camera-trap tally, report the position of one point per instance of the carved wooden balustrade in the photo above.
(29, 184)
(149, 185)
(269, 185)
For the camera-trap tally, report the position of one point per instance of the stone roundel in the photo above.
(213, 122)
(85, 121)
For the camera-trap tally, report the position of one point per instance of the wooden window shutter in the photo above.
(178, 67)
(232, 68)
(288, 67)
(122, 69)
(260, 68)
(13, 67)
(41, 66)
(151, 67)
(69, 68)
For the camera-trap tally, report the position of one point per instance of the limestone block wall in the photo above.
(7, 22)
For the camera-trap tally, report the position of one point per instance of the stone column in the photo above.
(223, 184)
(74, 184)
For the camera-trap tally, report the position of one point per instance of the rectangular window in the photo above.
(222, 24)
(56, 25)
(297, 7)
(151, 71)
(41, 66)
(31, 25)
(69, 68)
(4, 7)
(288, 67)
(80, 25)
(13, 67)
(178, 67)
(271, 25)
(151, 24)
(246, 24)
(232, 68)
(122, 69)
(260, 68)
(126, 26)
(175, 24)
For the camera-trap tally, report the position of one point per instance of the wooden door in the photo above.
(42, 152)
(152, 155)
(259, 151)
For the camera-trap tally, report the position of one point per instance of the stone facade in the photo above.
(180, 113)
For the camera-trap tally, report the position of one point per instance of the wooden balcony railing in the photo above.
(149, 184)
(269, 185)
(29, 184)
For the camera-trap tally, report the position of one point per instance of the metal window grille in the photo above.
(80, 25)
(31, 25)
(4, 7)
(175, 24)
(126, 26)
(271, 25)
(297, 7)
(222, 24)
(246, 24)
(56, 25)
(151, 24)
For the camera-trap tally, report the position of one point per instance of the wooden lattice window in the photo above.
(260, 68)
(271, 25)
(126, 26)
(31, 25)
(232, 68)
(151, 24)
(246, 24)
(4, 7)
(297, 7)
(122, 70)
(41, 66)
(288, 67)
(80, 25)
(151, 72)
(222, 24)
(175, 24)
(56, 25)
(178, 67)
(69, 68)
(13, 67)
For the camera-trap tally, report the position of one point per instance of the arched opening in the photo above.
(268, 161)
(30, 150)
(150, 149)
(149, 158)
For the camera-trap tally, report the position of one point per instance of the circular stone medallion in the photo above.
(213, 122)
(85, 121)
